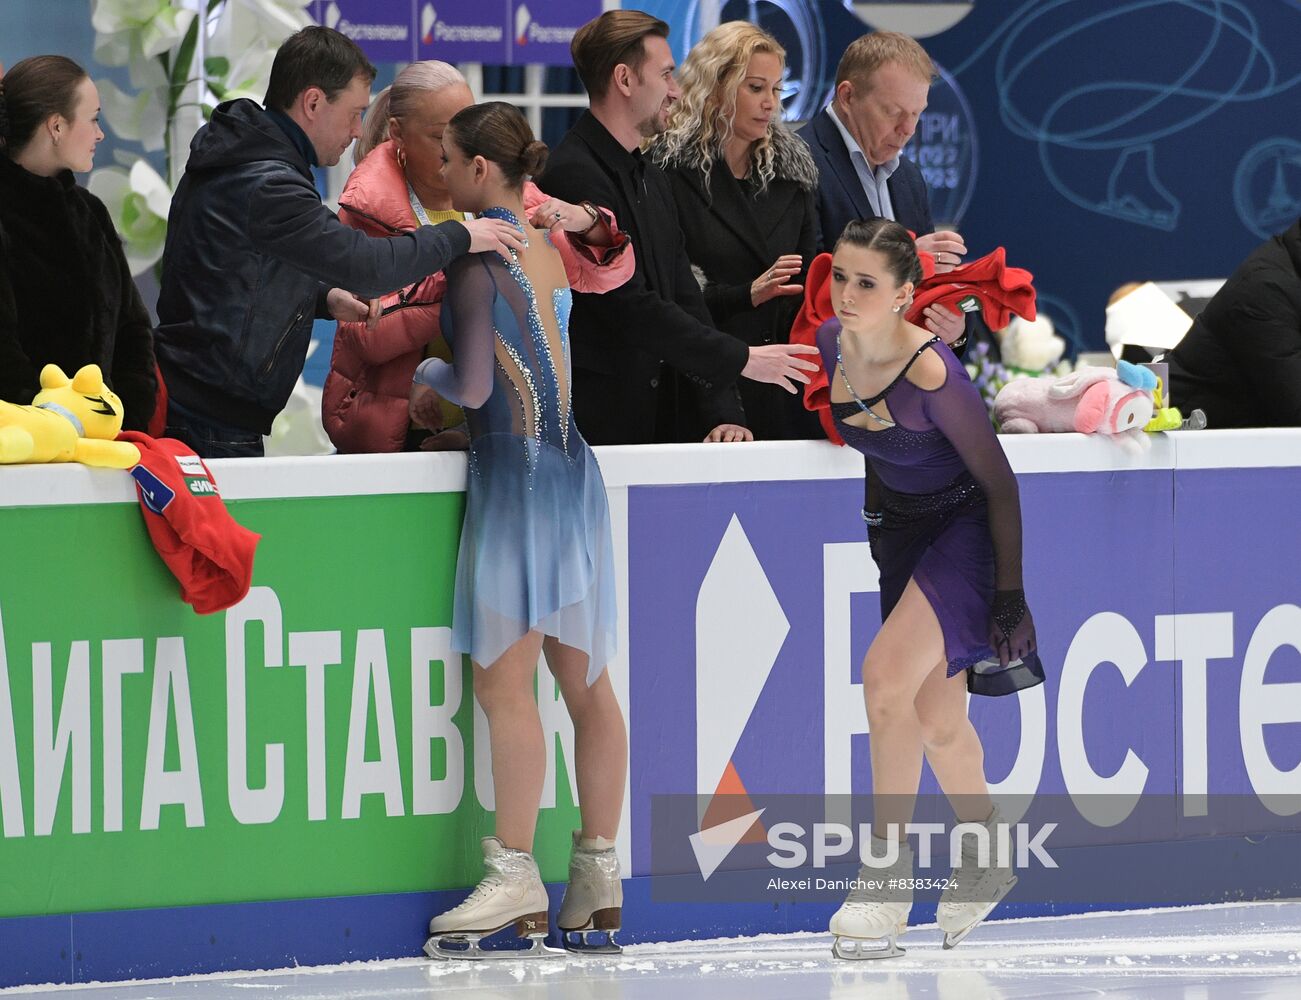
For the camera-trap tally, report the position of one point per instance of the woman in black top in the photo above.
(745, 190)
(66, 293)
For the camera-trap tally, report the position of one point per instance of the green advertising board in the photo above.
(316, 740)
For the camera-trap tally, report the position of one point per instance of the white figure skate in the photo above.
(975, 889)
(593, 903)
(511, 893)
(875, 911)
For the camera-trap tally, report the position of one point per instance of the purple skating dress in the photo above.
(947, 497)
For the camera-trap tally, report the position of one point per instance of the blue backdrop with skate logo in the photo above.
(1170, 636)
(1099, 142)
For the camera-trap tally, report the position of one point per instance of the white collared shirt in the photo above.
(874, 180)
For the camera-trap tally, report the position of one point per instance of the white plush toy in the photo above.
(1031, 345)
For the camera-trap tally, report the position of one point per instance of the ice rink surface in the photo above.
(1197, 953)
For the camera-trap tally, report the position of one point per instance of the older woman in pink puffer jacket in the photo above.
(369, 403)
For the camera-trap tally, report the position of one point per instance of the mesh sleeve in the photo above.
(468, 326)
(958, 411)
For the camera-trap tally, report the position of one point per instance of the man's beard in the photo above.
(651, 126)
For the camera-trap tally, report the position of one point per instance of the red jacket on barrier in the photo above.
(364, 403)
(207, 550)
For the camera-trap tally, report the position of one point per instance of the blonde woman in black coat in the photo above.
(745, 189)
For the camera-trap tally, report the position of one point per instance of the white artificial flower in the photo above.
(114, 49)
(246, 25)
(158, 25)
(138, 202)
(138, 118)
(249, 75)
(279, 18)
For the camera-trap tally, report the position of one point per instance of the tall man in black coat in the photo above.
(252, 255)
(623, 340)
(882, 86)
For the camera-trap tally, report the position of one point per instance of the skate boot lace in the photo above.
(873, 884)
(505, 866)
(489, 882)
(974, 879)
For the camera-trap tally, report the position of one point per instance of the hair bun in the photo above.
(534, 158)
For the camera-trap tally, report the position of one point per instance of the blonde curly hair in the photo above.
(701, 121)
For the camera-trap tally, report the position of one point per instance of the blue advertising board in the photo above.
(495, 32)
(383, 28)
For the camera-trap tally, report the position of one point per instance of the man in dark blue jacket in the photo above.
(882, 84)
(253, 256)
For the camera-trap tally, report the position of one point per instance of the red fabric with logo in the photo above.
(207, 550)
(1001, 291)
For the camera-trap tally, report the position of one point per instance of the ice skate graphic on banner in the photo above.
(1098, 138)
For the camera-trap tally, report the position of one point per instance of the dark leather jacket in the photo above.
(251, 253)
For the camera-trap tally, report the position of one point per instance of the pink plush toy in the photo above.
(1089, 401)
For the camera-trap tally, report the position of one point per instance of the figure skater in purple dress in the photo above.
(944, 527)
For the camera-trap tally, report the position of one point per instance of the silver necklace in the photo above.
(840, 363)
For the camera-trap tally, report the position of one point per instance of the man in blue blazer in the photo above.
(882, 85)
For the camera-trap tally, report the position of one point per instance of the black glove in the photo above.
(1011, 629)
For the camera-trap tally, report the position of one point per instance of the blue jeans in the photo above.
(209, 438)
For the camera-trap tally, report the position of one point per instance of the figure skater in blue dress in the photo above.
(944, 526)
(535, 573)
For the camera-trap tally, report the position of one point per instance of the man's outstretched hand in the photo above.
(780, 364)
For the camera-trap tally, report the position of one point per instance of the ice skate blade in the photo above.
(531, 927)
(436, 948)
(852, 950)
(955, 938)
(578, 943)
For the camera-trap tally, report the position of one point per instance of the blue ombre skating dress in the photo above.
(536, 552)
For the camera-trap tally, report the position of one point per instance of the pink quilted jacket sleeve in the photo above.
(585, 272)
(410, 320)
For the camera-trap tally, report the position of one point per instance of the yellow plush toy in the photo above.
(70, 420)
